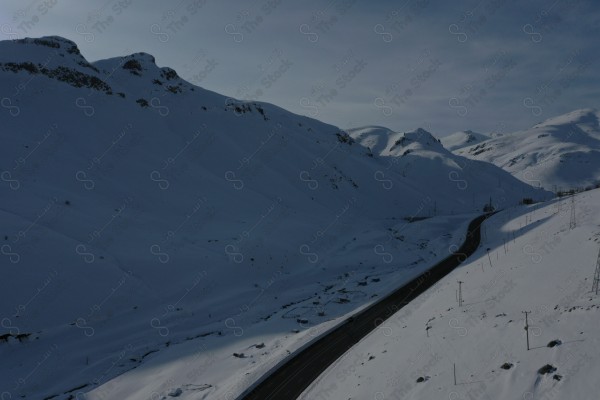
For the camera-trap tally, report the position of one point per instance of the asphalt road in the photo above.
(290, 379)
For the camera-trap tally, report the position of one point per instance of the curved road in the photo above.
(289, 380)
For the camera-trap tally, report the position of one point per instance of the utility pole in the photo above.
(596, 281)
(527, 326)
(460, 299)
(560, 202)
(573, 222)
(454, 374)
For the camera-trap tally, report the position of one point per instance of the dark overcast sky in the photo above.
(485, 65)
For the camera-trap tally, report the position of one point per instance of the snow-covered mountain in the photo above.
(560, 153)
(421, 159)
(151, 228)
(530, 260)
(458, 140)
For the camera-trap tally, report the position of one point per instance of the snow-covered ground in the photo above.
(561, 153)
(531, 259)
(151, 227)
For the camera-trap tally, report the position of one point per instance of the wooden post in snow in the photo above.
(454, 374)
(527, 326)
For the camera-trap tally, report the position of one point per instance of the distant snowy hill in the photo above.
(461, 139)
(422, 160)
(559, 153)
(148, 224)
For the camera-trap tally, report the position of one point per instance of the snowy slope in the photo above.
(559, 153)
(458, 140)
(536, 263)
(149, 225)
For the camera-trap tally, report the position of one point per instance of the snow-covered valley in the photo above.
(161, 240)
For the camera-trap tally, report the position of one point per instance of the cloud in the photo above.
(474, 65)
